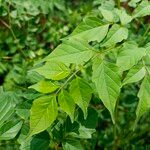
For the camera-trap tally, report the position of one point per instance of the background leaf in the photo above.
(144, 95)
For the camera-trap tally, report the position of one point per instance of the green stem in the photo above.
(115, 125)
(118, 3)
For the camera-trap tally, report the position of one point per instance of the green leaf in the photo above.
(115, 35)
(133, 3)
(23, 113)
(45, 86)
(129, 56)
(67, 103)
(7, 106)
(85, 133)
(91, 29)
(108, 84)
(143, 9)
(54, 70)
(144, 96)
(40, 141)
(124, 17)
(107, 14)
(71, 51)
(10, 130)
(43, 113)
(135, 74)
(92, 115)
(72, 144)
(147, 58)
(81, 92)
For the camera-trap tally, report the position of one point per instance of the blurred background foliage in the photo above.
(31, 29)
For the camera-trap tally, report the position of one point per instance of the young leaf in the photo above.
(81, 92)
(54, 70)
(143, 9)
(129, 56)
(67, 103)
(43, 113)
(71, 51)
(144, 95)
(115, 35)
(45, 86)
(91, 29)
(135, 74)
(10, 130)
(108, 84)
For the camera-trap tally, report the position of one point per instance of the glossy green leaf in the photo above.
(10, 130)
(108, 84)
(54, 70)
(67, 103)
(115, 35)
(81, 92)
(43, 113)
(71, 51)
(129, 56)
(91, 29)
(44, 86)
(143, 9)
(135, 74)
(144, 96)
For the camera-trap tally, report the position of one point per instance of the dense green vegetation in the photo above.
(74, 75)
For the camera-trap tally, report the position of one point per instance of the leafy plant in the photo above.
(92, 90)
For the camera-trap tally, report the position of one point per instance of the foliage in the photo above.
(91, 91)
